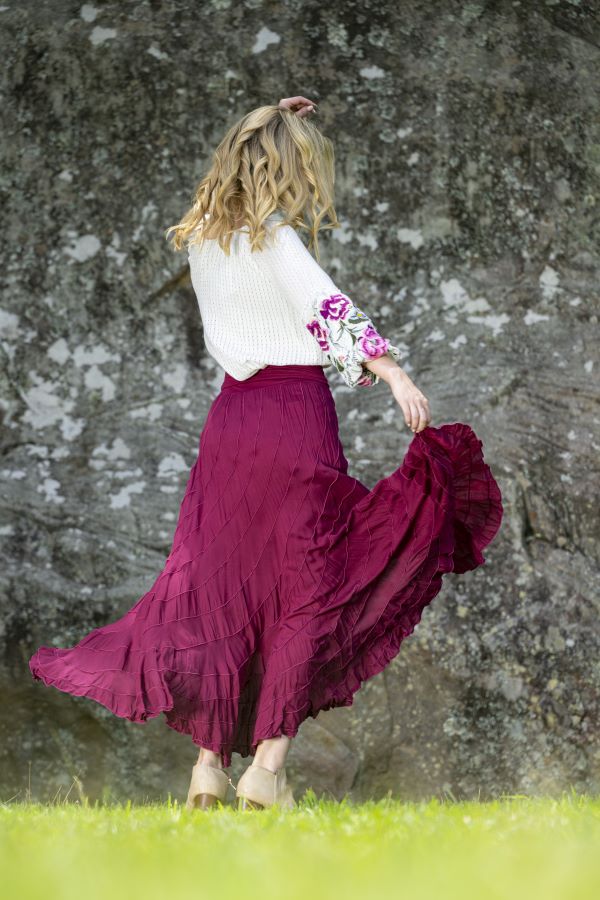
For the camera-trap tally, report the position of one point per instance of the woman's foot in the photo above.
(209, 783)
(264, 782)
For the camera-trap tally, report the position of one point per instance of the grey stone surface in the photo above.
(468, 184)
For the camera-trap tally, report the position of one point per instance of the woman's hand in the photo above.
(300, 105)
(413, 403)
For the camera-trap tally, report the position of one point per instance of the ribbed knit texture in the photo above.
(255, 305)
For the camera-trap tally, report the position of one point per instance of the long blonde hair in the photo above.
(270, 160)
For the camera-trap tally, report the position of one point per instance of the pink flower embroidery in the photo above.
(372, 344)
(335, 307)
(318, 332)
(368, 379)
(349, 338)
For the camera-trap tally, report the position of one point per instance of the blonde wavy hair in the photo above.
(270, 160)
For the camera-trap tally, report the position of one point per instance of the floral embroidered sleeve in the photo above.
(349, 338)
(344, 332)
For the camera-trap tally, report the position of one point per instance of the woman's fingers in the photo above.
(411, 415)
(413, 403)
(420, 417)
(424, 414)
(302, 106)
(416, 412)
(428, 410)
(423, 418)
(288, 102)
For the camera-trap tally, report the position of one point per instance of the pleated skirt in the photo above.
(289, 583)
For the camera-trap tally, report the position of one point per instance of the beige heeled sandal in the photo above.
(208, 786)
(259, 788)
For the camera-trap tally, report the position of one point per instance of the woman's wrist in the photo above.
(386, 368)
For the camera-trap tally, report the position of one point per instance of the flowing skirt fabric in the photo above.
(289, 582)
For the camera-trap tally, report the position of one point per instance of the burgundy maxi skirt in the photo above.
(289, 583)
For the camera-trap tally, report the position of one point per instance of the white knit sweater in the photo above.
(277, 306)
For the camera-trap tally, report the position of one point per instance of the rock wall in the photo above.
(468, 169)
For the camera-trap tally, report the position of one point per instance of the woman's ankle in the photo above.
(271, 753)
(210, 758)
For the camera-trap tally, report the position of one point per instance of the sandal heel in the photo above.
(204, 801)
(208, 787)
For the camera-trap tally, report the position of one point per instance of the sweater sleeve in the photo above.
(343, 331)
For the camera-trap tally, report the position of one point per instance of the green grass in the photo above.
(515, 847)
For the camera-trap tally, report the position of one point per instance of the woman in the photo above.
(289, 583)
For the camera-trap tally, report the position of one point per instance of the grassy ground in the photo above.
(515, 848)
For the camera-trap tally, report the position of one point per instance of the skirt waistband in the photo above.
(276, 374)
